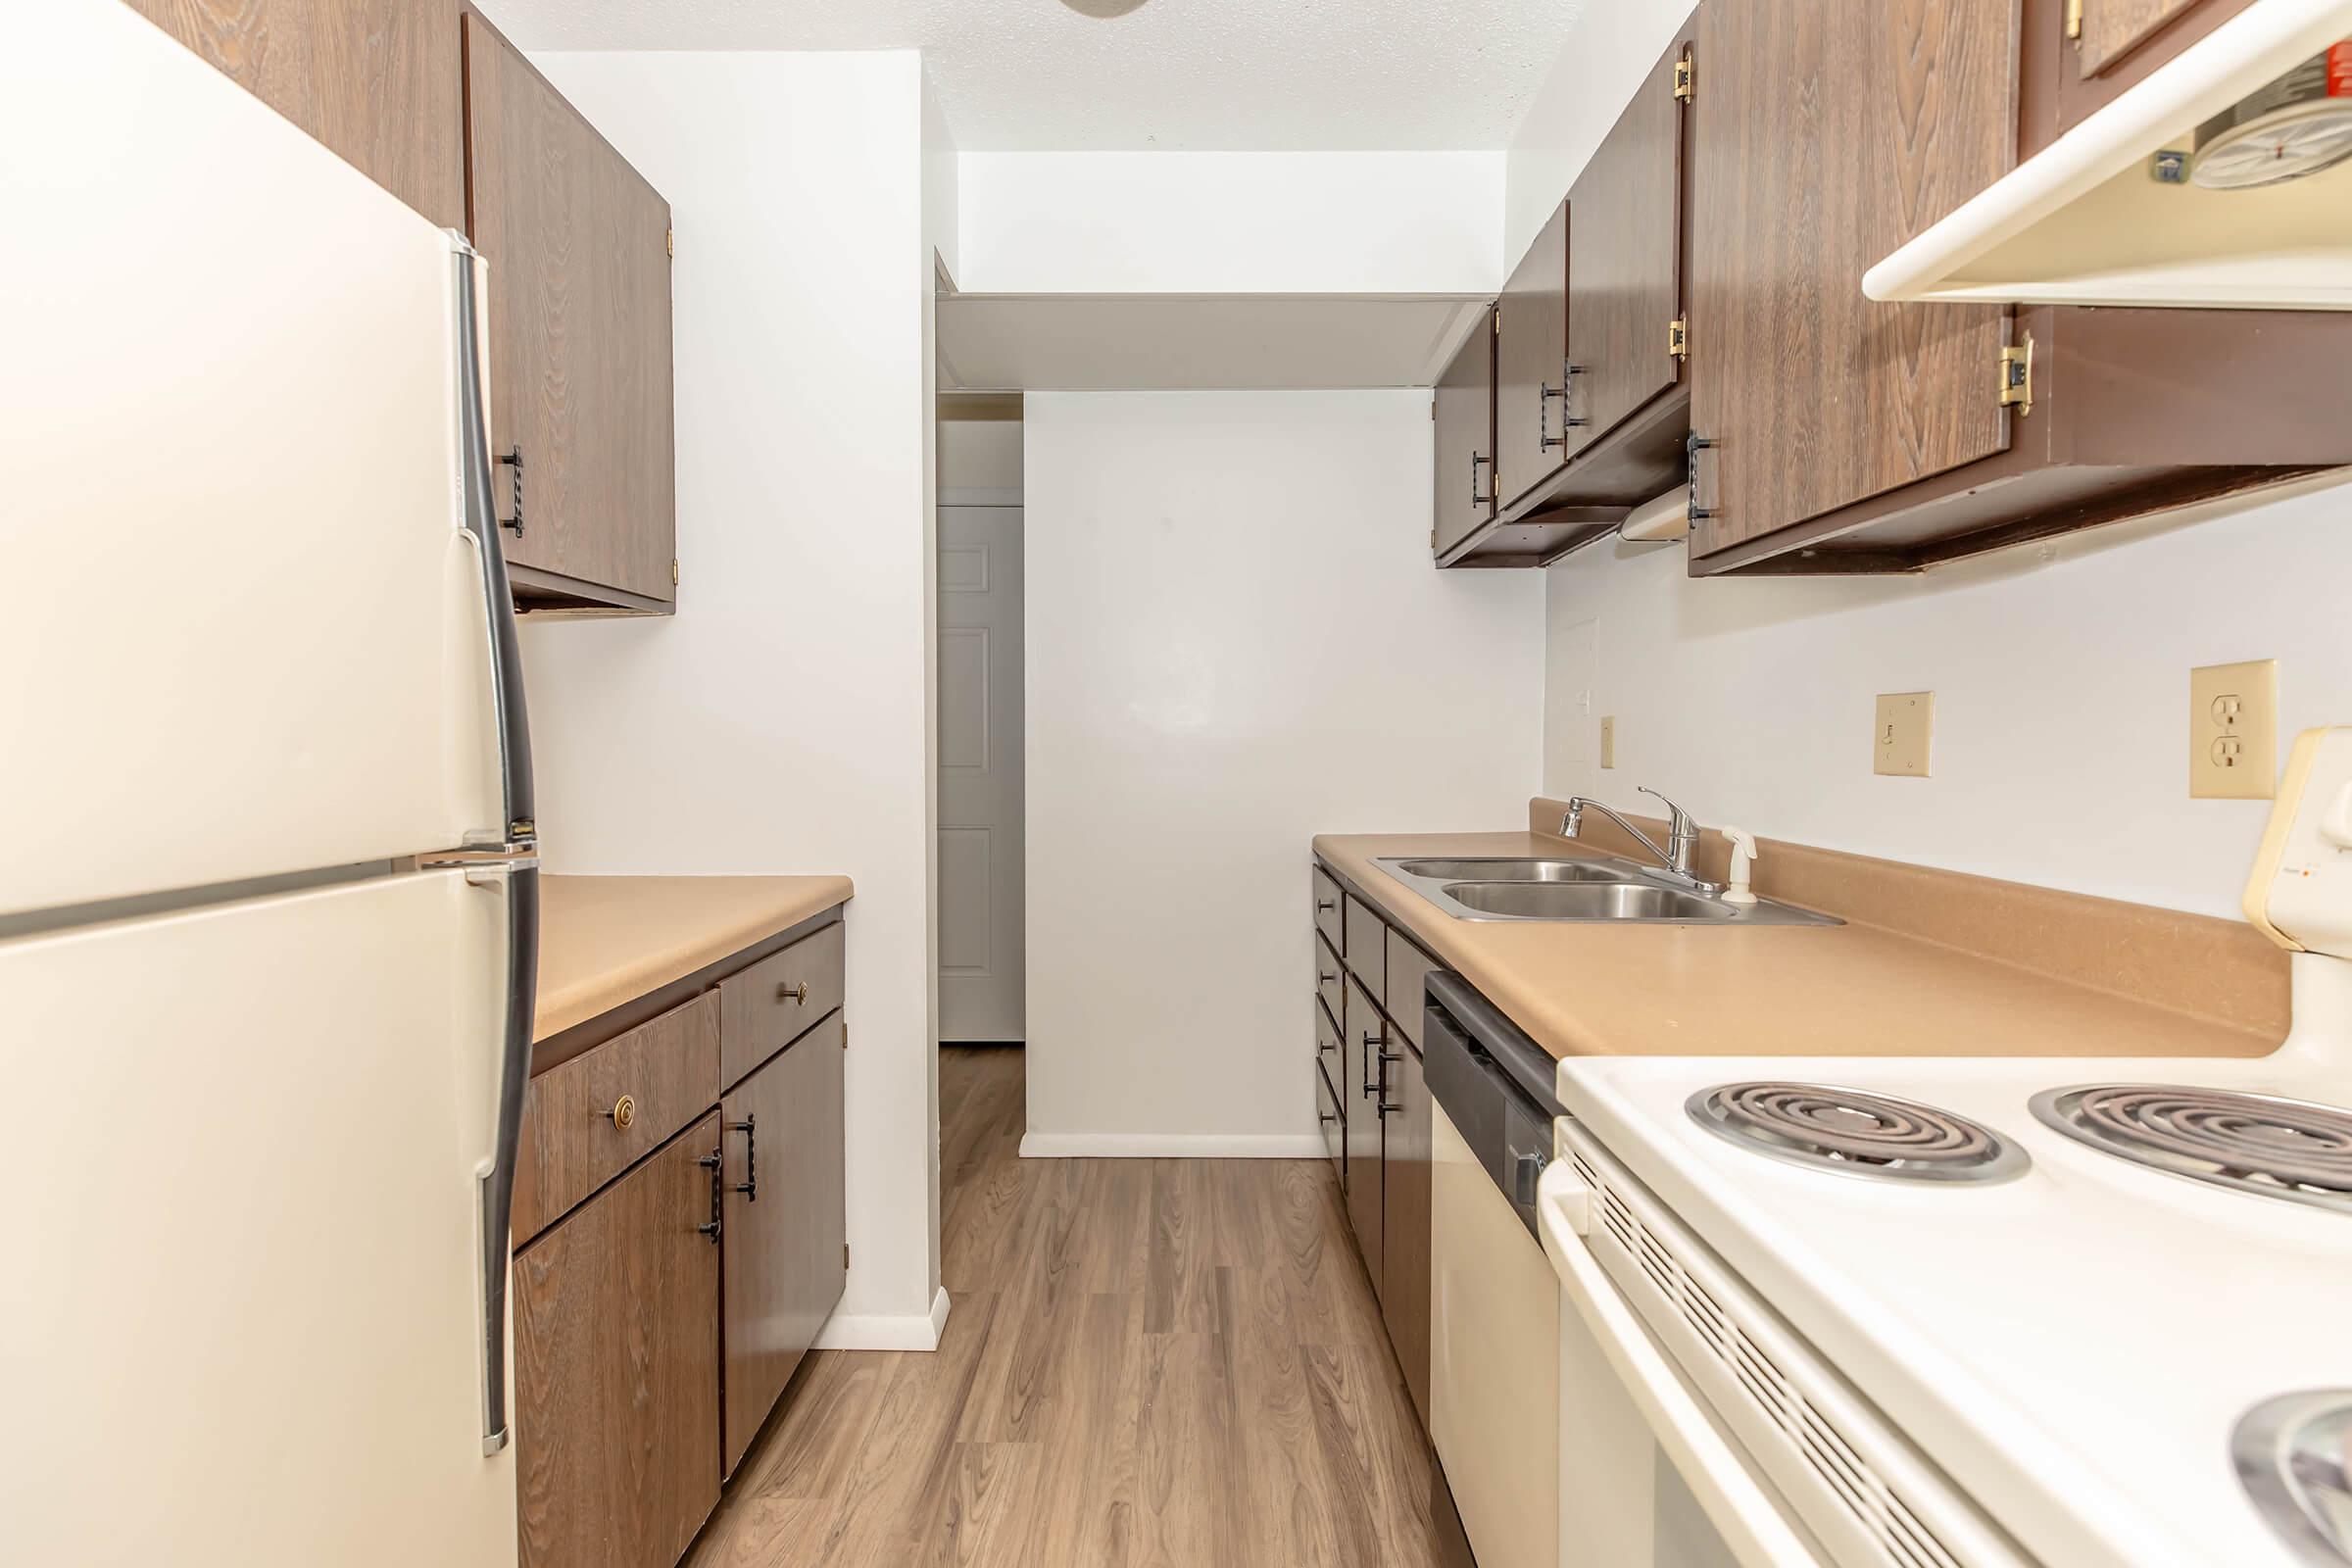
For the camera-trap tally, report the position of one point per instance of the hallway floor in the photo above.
(1147, 1362)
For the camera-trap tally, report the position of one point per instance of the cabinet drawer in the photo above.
(1334, 1122)
(1409, 967)
(1367, 944)
(1327, 911)
(771, 1004)
(588, 1120)
(1330, 1054)
(1328, 978)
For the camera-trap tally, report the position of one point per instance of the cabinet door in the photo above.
(1830, 132)
(1366, 1038)
(1332, 1119)
(579, 331)
(1530, 365)
(786, 1223)
(1404, 1222)
(1464, 409)
(377, 82)
(616, 1369)
(1625, 260)
(2112, 28)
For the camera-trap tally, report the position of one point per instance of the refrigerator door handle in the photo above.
(520, 829)
(519, 880)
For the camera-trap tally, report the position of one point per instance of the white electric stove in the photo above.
(1938, 1318)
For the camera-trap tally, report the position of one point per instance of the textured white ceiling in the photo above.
(1182, 74)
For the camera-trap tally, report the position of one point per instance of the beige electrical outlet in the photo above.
(1608, 743)
(2233, 731)
(1905, 725)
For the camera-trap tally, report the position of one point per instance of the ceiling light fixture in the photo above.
(1102, 9)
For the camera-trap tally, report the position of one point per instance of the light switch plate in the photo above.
(2233, 731)
(1906, 723)
(1608, 743)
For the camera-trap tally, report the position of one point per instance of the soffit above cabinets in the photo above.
(2088, 220)
(1197, 342)
(1033, 76)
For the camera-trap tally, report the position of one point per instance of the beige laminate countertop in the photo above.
(1812, 991)
(608, 939)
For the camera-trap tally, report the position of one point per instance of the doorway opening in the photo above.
(983, 997)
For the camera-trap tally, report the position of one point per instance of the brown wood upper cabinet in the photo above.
(1591, 408)
(786, 1223)
(1533, 431)
(2079, 57)
(377, 82)
(580, 390)
(1844, 435)
(616, 1369)
(1463, 406)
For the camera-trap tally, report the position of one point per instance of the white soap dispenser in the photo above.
(1744, 862)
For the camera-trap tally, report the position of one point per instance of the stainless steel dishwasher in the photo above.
(1495, 1303)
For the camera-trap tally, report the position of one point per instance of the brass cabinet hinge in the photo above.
(1682, 79)
(2016, 373)
(1433, 538)
(673, 571)
(844, 1255)
(670, 240)
(1678, 337)
(2074, 20)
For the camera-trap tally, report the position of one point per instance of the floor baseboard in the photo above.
(1172, 1146)
(886, 1331)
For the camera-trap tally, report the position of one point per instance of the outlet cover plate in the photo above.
(1906, 725)
(1608, 743)
(2233, 731)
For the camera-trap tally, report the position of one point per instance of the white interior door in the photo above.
(982, 991)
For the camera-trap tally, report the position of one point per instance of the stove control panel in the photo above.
(2300, 895)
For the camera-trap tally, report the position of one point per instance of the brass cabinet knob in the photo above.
(799, 993)
(623, 1112)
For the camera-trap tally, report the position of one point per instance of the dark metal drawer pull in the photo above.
(749, 1187)
(710, 1162)
(512, 459)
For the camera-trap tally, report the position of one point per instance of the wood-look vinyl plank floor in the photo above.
(1150, 1363)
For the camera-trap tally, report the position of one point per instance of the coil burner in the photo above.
(2272, 1148)
(1823, 1127)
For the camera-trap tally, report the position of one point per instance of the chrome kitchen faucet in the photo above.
(1681, 837)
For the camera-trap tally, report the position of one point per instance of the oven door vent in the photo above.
(1865, 1491)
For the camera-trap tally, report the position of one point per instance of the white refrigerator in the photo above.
(267, 896)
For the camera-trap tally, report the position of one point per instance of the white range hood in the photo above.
(2090, 220)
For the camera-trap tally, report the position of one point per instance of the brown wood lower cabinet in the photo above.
(1366, 1040)
(1404, 1221)
(616, 1369)
(786, 1223)
(1373, 1105)
(677, 1248)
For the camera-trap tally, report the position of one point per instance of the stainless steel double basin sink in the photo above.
(1591, 892)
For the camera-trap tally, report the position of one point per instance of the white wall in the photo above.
(1249, 222)
(1605, 57)
(1235, 642)
(2061, 681)
(780, 721)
